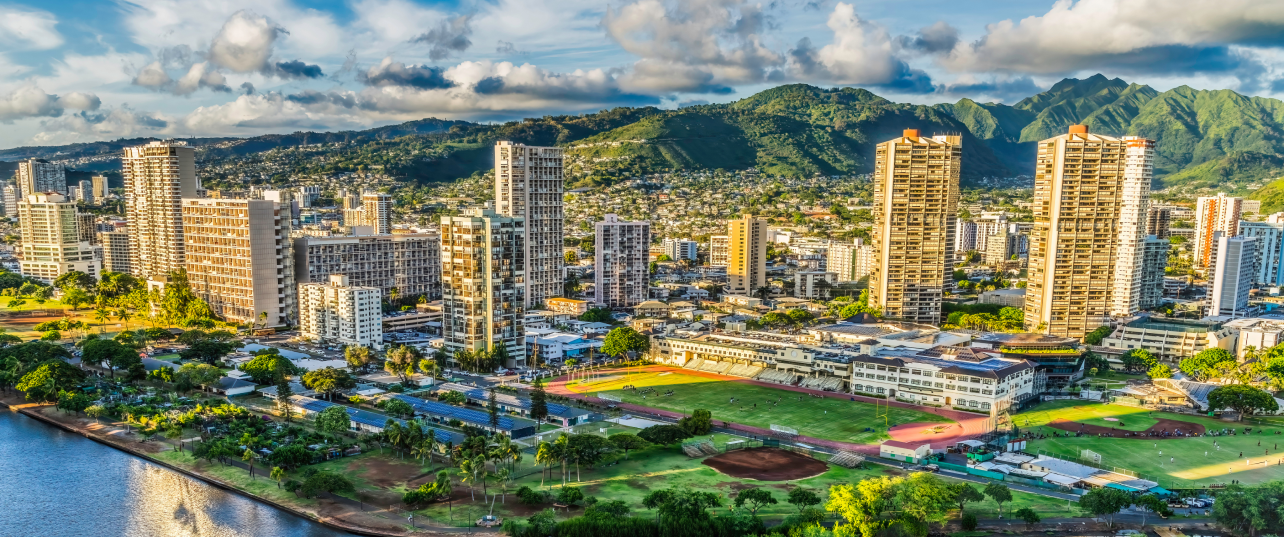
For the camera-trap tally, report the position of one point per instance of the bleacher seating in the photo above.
(742, 370)
(714, 366)
(847, 459)
(777, 376)
(708, 448)
(695, 364)
(692, 451)
(822, 383)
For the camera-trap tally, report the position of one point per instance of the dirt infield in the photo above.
(1161, 426)
(766, 464)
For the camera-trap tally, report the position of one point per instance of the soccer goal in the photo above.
(784, 430)
(1091, 456)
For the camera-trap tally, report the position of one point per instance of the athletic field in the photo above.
(834, 417)
(1184, 462)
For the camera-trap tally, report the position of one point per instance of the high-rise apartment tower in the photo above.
(157, 178)
(916, 194)
(621, 251)
(747, 257)
(528, 185)
(1214, 214)
(239, 258)
(482, 284)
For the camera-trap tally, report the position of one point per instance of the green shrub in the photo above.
(969, 522)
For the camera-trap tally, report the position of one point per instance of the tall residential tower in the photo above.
(157, 178)
(747, 257)
(1214, 214)
(621, 250)
(916, 194)
(528, 185)
(1134, 196)
(483, 288)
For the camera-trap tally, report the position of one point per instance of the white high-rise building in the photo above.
(85, 192)
(1232, 276)
(337, 313)
(157, 178)
(36, 176)
(51, 243)
(679, 249)
(621, 255)
(719, 250)
(1214, 214)
(841, 260)
(377, 212)
(1130, 252)
(1270, 249)
(12, 193)
(807, 283)
(964, 237)
(483, 286)
(528, 185)
(239, 258)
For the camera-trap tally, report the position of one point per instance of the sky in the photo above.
(78, 71)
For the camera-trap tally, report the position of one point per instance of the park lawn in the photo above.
(1190, 467)
(831, 418)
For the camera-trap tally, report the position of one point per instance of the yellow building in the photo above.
(747, 256)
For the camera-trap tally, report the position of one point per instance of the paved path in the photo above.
(968, 425)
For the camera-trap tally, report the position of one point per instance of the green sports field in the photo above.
(833, 418)
(1184, 462)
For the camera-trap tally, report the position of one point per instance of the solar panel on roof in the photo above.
(448, 411)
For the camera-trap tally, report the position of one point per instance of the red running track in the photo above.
(968, 425)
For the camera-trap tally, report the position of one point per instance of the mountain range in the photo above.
(1208, 140)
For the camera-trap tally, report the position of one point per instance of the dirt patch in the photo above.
(1160, 427)
(386, 473)
(766, 464)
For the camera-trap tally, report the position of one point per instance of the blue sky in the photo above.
(74, 71)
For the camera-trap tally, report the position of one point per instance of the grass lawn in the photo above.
(832, 418)
(1182, 463)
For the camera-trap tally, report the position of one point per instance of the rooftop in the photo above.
(1174, 325)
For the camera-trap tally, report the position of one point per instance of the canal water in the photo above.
(54, 483)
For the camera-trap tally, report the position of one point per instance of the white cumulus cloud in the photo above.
(28, 29)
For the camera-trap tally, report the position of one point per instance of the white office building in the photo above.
(807, 283)
(337, 313)
(1233, 260)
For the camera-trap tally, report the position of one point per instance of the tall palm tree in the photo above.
(123, 315)
(562, 452)
(544, 455)
(395, 434)
(101, 315)
(468, 474)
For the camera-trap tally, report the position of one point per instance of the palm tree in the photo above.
(101, 315)
(503, 476)
(123, 315)
(248, 456)
(468, 474)
(277, 475)
(393, 294)
(763, 292)
(562, 452)
(544, 455)
(395, 433)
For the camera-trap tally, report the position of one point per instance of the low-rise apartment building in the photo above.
(339, 313)
(568, 306)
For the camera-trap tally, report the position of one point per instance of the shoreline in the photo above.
(26, 410)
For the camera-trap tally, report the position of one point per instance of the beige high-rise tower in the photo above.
(157, 178)
(377, 207)
(1079, 196)
(916, 195)
(239, 258)
(747, 256)
(528, 185)
(51, 242)
(1214, 214)
(482, 284)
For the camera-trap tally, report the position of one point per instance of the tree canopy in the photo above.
(1246, 400)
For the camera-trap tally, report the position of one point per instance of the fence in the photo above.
(1003, 477)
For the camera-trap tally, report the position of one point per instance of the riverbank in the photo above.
(329, 513)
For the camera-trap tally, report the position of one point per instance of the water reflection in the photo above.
(55, 484)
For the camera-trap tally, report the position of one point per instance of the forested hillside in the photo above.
(1207, 140)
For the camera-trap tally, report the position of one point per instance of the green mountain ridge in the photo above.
(1207, 139)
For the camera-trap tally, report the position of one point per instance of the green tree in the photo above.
(110, 353)
(1246, 400)
(333, 420)
(266, 368)
(1105, 502)
(699, 423)
(1000, 493)
(755, 498)
(622, 340)
(401, 361)
(1150, 503)
(278, 475)
(1160, 371)
(199, 374)
(1094, 337)
(1031, 518)
(1204, 364)
(208, 350)
(626, 442)
(597, 315)
(965, 493)
(539, 401)
(1255, 510)
(357, 357)
(329, 381)
(45, 382)
(664, 434)
(802, 498)
(399, 408)
(1137, 360)
(867, 508)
